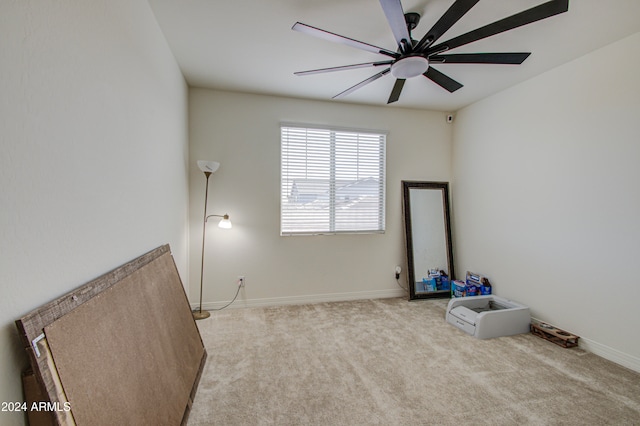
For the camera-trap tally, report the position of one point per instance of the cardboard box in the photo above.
(439, 283)
(458, 288)
(485, 290)
(444, 284)
(472, 289)
(474, 284)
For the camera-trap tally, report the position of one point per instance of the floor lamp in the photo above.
(208, 167)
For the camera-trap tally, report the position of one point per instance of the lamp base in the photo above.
(198, 315)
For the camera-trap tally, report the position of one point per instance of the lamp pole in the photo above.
(200, 314)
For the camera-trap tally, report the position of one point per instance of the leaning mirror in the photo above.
(428, 238)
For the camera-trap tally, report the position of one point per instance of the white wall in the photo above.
(242, 132)
(94, 142)
(546, 196)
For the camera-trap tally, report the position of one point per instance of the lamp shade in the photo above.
(208, 166)
(225, 223)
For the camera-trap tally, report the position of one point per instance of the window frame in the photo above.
(381, 186)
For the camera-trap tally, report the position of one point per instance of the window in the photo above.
(333, 181)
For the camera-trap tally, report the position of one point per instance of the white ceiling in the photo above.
(248, 45)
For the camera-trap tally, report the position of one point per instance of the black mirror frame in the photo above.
(444, 188)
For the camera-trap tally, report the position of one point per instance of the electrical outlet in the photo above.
(398, 271)
(241, 281)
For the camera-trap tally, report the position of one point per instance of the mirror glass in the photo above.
(428, 238)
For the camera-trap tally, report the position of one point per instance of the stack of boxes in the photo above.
(474, 285)
(437, 280)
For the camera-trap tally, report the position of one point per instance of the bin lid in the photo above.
(465, 314)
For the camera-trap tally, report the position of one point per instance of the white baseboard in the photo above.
(611, 354)
(305, 299)
(607, 352)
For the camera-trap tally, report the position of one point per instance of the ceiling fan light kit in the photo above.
(413, 58)
(409, 66)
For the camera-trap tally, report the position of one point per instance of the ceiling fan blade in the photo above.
(442, 80)
(514, 58)
(336, 38)
(397, 89)
(362, 84)
(451, 16)
(344, 67)
(545, 10)
(395, 16)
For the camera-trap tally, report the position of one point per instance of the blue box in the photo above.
(458, 288)
(472, 289)
(429, 284)
(445, 285)
(436, 284)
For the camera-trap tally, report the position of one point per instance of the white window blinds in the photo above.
(333, 181)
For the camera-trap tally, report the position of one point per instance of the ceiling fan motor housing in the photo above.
(409, 66)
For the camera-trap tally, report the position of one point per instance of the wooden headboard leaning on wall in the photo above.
(122, 349)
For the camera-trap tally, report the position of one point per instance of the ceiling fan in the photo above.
(413, 58)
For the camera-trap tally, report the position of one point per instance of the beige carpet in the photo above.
(394, 362)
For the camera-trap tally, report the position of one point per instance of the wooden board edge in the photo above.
(194, 389)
